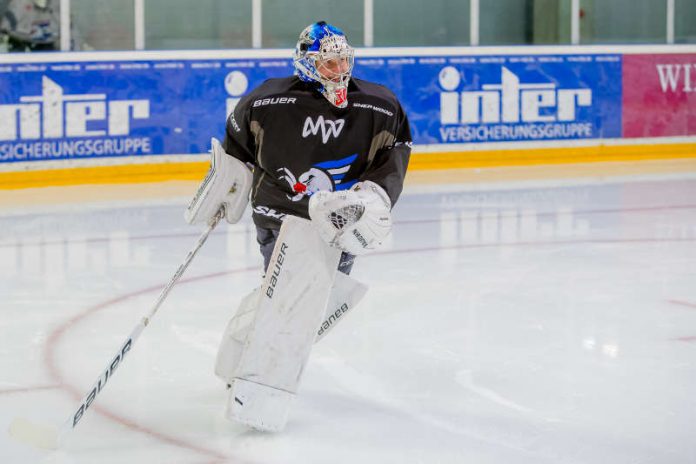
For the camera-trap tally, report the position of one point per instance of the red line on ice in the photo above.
(10, 391)
(541, 214)
(683, 303)
(56, 336)
(51, 364)
(689, 339)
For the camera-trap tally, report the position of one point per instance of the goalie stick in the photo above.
(51, 437)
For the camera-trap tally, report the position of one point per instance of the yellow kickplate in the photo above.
(543, 156)
(139, 173)
(117, 174)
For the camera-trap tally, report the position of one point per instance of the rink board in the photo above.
(468, 107)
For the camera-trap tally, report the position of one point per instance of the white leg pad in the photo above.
(232, 343)
(258, 406)
(293, 301)
(346, 293)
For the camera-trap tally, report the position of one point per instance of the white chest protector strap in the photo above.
(290, 310)
(227, 183)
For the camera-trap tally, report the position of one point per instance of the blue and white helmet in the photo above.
(322, 55)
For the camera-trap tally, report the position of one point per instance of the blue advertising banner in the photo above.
(81, 110)
(123, 108)
(470, 99)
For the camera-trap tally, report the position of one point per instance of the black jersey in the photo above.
(299, 143)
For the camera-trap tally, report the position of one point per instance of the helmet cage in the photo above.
(323, 56)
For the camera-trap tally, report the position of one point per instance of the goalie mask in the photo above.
(322, 55)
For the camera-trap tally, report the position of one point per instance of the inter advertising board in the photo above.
(68, 110)
(472, 99)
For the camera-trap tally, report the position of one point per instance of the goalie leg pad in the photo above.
(346, 293)
(259, 406)
(235, 335)
(293, 300)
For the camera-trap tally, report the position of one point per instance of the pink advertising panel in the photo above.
(659, 95)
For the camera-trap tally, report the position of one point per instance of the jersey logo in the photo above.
(270, 212)
(328, 175)
(327, 127)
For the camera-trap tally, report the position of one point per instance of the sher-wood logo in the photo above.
(326, 126)
(510, 110)
(59, 125)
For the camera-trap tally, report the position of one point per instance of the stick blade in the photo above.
(36, 435)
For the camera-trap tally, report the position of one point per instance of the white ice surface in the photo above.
(510, 325)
